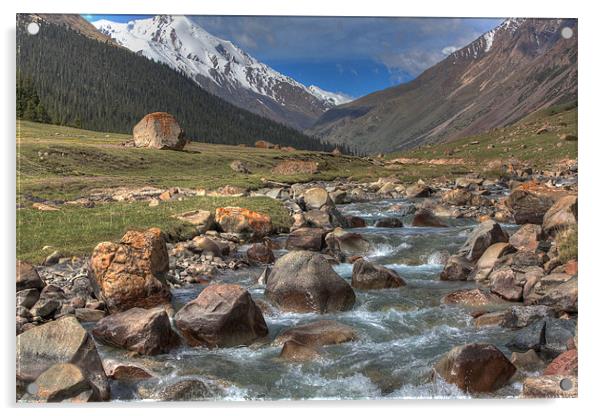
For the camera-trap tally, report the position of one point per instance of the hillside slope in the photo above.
(95, 85)
(519, 67)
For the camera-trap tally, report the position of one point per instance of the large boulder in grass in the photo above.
(28, 277)
(131, 273)
(159, 131)
(369, 276)
(426, 218)
(303, 281)
(223, 315)
(476, 368)
(243, 221)
(530, 201)
(306, 238)
(60, 341)
(562, 215)
(144, 331)
(484, 235)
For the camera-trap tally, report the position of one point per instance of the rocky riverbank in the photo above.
(492, 263)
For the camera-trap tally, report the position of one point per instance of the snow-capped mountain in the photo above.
(223, 68)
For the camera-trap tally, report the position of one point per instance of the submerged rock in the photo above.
(223, 315)
(456, 268)
(425, 218)
(302, 281)
(260, 253)
(346, 243)
(132, 272)
(389, 222)
(475, 368)
(367, 276)
(317, 334)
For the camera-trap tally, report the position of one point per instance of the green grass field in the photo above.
(60, 163)
(519, 141)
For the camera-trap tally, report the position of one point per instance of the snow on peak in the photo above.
(184, 45)
(335, 98)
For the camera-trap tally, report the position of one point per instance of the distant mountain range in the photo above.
(519, 67)
(223, 69)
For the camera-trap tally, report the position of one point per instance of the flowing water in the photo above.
(402, 331)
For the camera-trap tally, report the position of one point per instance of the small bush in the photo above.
(567, 242)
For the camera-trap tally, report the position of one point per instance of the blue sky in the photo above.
(355, 56)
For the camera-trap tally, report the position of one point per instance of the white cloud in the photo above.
(448, 50)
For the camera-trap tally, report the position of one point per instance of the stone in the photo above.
(475, 368)
(505, 283)
(527, 237)
(425, 218)
(303, 281)
(28, 277)
(531, 337)
(125, 371)
(418, 190)
(470, 298)
(45, 308)
(488, 259)
(27, 297)
(317, 219)
(239, 166)
(521, 316)
(338, 196)
(483, 236)
(60, 341)
(346, 243)
(527, 361)
(132, 272)
(306, 239)
(260, 253)
(389, 222)
(159, 131)
(317, 198)
(456, 268)
(563, 298)
(530, 201)
(355, 222)
(559, 335)
(458, 196)
(145, 331)
(243, 221)
(183, 390)
(489, 319)
(547, 387)
(264, 144)
(63, 382)
(561, 215)
(89, 315)
(566, 364)
(203, 220)
(223, 315)
(368, 276)
(205, 245)
(318, 334)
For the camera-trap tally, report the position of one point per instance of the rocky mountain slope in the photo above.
(222, 68)
(519, 67)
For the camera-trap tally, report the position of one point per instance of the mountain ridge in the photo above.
(518, 67)
(222, 68)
